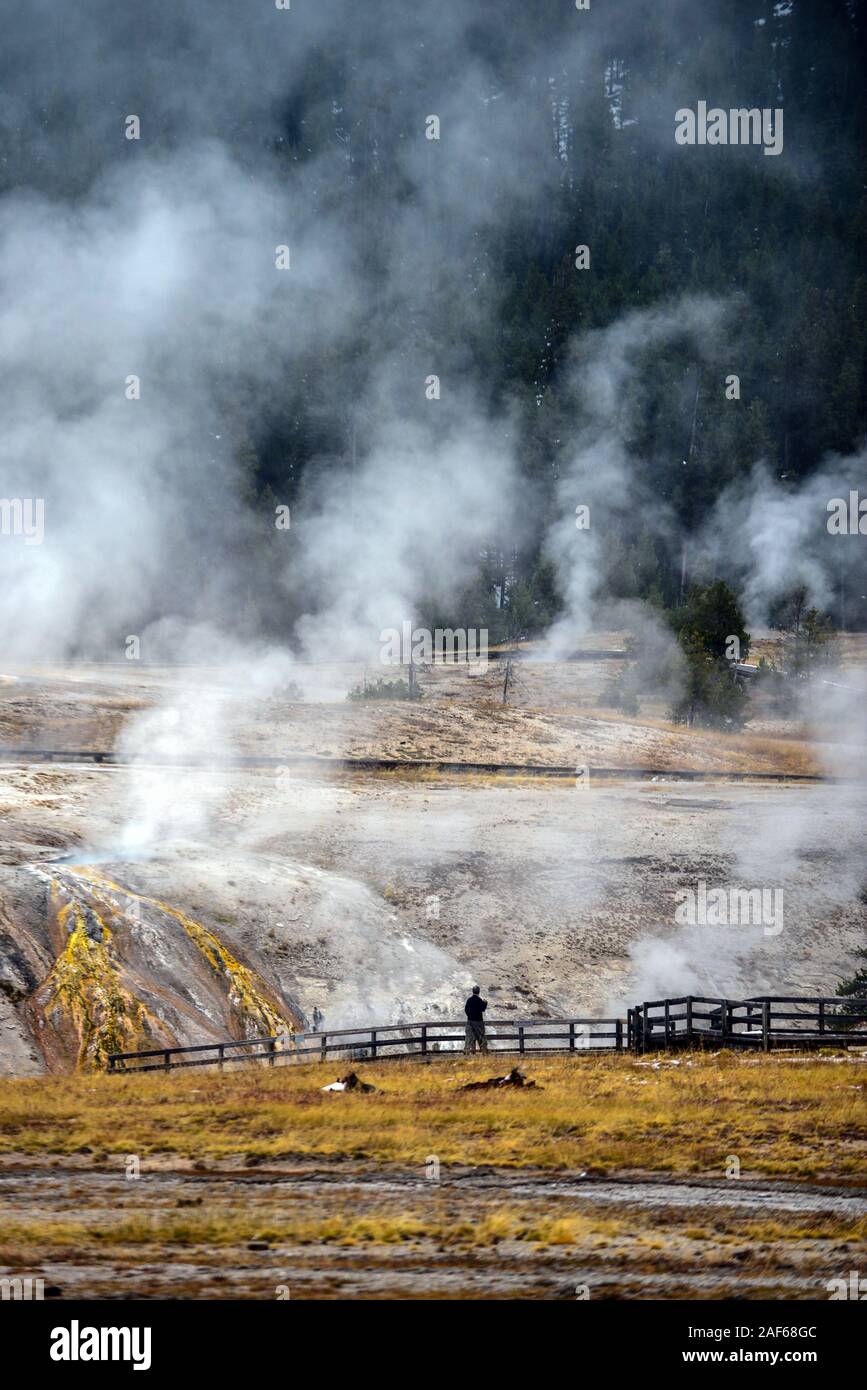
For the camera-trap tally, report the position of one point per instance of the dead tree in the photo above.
(508, 681)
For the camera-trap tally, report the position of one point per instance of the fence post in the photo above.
(636, 1033)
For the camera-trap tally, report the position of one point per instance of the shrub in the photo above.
(380, 690)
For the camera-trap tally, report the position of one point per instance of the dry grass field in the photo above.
(792, 1118)
(691, 1176)
(613, 1176)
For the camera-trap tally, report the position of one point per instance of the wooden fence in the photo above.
(762, 1023)
(396, 1040)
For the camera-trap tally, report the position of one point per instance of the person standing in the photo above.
(475, 1012)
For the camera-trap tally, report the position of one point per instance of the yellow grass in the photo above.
(703, 750)
(732, 752)
(601, 1114)
(278, 1226)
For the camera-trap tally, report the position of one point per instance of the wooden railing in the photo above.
(762, 1023)
(108, 757)
(395, 1040)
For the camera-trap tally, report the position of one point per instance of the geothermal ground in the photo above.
(208, 886)
(218, 900)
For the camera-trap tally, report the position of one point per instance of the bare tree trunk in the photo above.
(507, 682)
(694, 415)
(689, 458)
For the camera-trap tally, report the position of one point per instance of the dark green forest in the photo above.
(787, 248)
(492, 301)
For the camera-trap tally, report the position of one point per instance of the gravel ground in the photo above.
(383, 897)
(671, 1240)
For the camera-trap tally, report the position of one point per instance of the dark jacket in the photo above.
(475, 1008)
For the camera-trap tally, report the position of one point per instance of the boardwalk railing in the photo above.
(762, 1023)
(395, 1040)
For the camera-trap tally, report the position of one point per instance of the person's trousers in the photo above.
(476, 1036)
